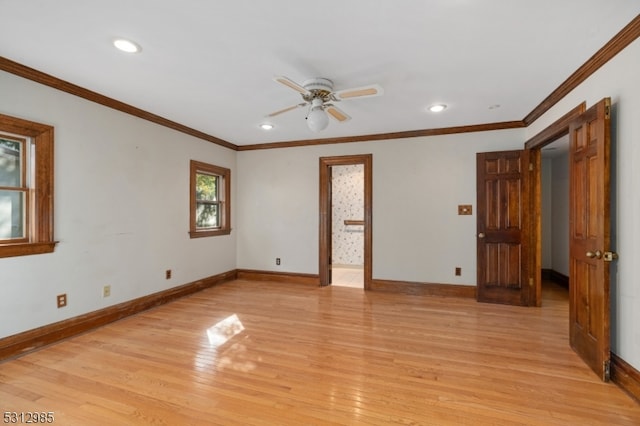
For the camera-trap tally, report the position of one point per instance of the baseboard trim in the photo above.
(625, 376)
(286, 277)
(557, 277)
(30, 340)
(424, 289)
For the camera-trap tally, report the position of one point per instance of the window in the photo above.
(210, 200)
(26, 187)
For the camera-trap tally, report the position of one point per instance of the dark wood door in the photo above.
(503, 227)
(589, 251)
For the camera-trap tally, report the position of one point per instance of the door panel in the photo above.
(502, 198)
(590, 237)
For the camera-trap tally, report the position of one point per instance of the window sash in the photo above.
(9, 154)
(14, 213)
(14, 189)
(208, 215)
(203, 193)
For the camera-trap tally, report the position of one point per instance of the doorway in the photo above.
(354, 228)
(589, 228)
(347, 223)
(555, 222)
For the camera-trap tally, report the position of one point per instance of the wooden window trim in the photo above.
(225, 174)
(40, 222)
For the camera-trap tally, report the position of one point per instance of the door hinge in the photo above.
(607, 111)
(530, 282)
(530, 167)
(606, 370)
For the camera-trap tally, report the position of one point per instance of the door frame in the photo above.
(325, 226)
(550, 134)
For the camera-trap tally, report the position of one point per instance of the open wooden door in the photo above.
(503, 227)
(589, 251)
(326, 231)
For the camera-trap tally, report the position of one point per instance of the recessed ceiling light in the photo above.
(266, 126)
(437, 108)
(126, 45)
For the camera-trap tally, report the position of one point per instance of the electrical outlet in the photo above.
(106, 291)
(167, 274)
(277, 261)
(458, 271)
(62, 300)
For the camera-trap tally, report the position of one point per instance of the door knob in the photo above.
(481, 235)
(594, 255)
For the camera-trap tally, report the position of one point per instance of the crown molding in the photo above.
(73, 89)
(388, 136)
(618, 43)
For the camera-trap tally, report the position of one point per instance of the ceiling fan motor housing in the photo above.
(319, 88)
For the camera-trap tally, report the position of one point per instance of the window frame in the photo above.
(39, 218)
(224, 195)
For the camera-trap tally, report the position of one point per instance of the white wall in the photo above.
(547, 210)
(121, 210)
(555, 213)
(560, 214)
(417, 186)
(619, 80)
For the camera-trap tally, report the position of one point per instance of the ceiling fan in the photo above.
(318, 94)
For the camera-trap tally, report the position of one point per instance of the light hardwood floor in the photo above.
(260, 353)
(347, 276)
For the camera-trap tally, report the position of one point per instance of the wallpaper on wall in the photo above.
(348, 204)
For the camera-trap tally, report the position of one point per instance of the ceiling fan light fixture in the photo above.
(437, 108)
(317, 119)
(318, 94)
(126, 45)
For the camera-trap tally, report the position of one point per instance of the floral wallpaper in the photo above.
(348, 203)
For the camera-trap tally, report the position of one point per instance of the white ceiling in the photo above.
(209, 64)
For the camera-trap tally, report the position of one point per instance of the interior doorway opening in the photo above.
(354, 224)
(347, 225)
(589, 228)
(555, 221)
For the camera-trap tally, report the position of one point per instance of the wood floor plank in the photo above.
(269, 353)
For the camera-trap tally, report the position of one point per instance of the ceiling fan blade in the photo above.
(359, 92)
(290, 83)
(337, 113)
(273, 114)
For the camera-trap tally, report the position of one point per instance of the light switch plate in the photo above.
(465, 209)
